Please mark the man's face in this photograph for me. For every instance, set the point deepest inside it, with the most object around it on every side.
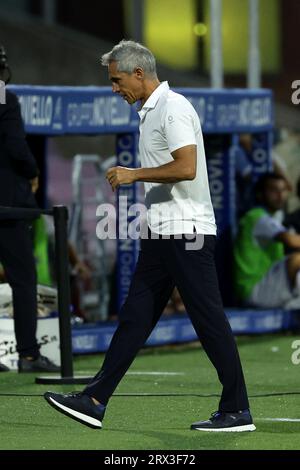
(275, 194)
(129, 86)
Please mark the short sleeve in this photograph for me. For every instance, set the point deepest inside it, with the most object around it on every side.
(267, 228)
(179, 124)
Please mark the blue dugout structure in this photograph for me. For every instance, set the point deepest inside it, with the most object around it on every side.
(224, 114)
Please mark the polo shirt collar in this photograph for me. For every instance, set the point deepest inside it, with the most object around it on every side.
(153, 98)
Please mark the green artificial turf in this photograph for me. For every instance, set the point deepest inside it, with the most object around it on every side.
(162, 422)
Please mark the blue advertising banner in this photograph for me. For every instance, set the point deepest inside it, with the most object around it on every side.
(261, 155)
(127, 247)
(223, 113)
(96, 110)
(221, 175)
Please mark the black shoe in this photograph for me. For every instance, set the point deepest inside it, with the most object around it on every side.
(77, 406)
(226, 422)
(4, 368)
(41, 364)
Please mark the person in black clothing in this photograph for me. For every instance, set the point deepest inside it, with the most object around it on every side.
(18, 183)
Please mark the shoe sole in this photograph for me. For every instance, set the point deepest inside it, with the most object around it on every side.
(247, 427)
(76, 415)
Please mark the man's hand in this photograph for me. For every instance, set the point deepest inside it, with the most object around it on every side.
(83, 271)
(34, 184)
(120, 175)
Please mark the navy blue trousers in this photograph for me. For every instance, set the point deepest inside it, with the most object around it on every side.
(163, 264)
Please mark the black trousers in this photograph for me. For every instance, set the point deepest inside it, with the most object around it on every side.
(162, 264)
(16, 256)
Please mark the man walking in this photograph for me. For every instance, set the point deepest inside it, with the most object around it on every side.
(178, 207)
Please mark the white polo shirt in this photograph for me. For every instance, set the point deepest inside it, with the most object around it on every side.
(169, 122)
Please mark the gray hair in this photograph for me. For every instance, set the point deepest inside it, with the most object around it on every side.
(130, 55)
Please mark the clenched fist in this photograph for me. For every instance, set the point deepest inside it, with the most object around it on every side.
(120, 175)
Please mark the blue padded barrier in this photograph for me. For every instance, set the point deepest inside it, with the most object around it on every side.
(93, 338)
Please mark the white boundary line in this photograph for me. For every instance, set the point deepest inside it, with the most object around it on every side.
(138, 373)
(283, 420)
(86, 372)
(154, 373)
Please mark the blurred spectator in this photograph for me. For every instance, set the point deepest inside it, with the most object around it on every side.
(279, 167)
(245, 199)
(175, 304)
(264, 277)
(292, 220)
(43, 246)
(43, 240)
(243, 174)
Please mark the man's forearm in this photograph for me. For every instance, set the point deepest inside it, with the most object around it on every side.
(182, 168)
(291, 240)
(171, 172)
